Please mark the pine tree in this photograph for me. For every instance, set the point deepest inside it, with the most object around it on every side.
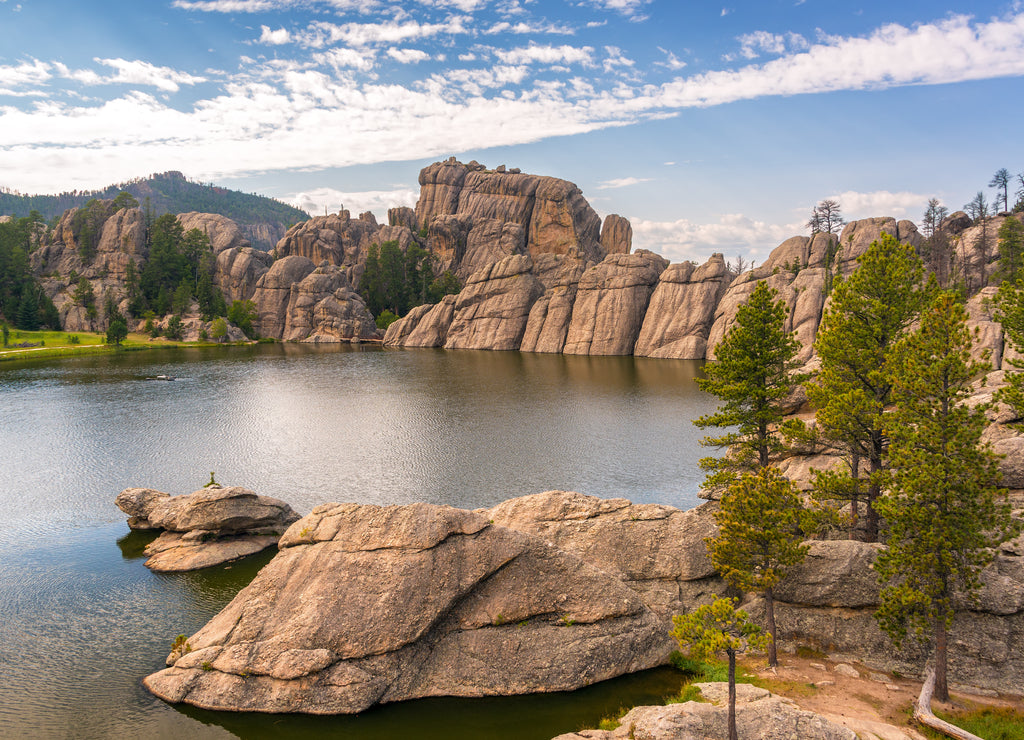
(1011, 249)
(753, 374)
(941, 503)
(869, 312)
(1010, 313)
(719, 627)
(759, 537)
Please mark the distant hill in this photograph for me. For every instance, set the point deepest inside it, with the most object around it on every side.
(263, 220)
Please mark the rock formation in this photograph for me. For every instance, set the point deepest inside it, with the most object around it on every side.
(759, 714)
(366, 605)
(205, 528)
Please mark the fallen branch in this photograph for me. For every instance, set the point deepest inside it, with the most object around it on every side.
(923, 712)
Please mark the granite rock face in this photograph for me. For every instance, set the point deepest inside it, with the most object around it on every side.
(554, 216)
(492, 310)
(222, 232)
(616, 235)
(611, 302)
(682, 310)
(366, 605)
(210, 526)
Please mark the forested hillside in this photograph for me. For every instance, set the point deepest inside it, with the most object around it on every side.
(263, 220)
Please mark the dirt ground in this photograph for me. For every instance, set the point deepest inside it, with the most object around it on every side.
(872, 704)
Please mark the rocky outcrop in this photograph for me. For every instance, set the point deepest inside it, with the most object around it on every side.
(337, 239)
(273, 293)
(322, 307)
(548, 325)
(492, 310)
(366, 605)
(222, 232)
(759, 714)
(656, 550)
(211, 526)
(423, 326)
(611, 302)
(239, 270)
(616, 235)
(682, 310)
(554, 216)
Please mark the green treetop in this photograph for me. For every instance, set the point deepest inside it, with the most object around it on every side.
(1011, 315)
(716, 628)
(1011, 249)
(941, 503)
(759, 537)
(752, 373)
(868, 313)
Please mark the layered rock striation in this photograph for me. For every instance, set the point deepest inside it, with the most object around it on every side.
(366, 605)
(208, 527)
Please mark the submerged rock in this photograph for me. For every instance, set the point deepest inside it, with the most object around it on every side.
(366, 605)
(208, 527)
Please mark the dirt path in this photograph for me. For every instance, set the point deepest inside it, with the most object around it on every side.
(872, 704)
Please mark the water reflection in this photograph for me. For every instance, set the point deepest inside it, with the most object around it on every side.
(84, 620)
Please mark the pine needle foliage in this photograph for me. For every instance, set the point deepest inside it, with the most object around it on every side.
(719, 627)
(942, 503)
(1010, 313)
(759, 537)
(868, 314)
(753, 373)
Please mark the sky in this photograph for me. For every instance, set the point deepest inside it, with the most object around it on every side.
(712, 126)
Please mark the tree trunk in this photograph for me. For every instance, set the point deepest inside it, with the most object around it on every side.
(941, 641)
(923, 712)
(769, 612)
(855, 480)
(732, 694)
(874, 491)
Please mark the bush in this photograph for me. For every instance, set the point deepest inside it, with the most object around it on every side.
(174, 328)
(386, 319)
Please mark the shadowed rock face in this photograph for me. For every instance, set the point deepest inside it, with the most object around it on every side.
(210, 526)
(367, 605)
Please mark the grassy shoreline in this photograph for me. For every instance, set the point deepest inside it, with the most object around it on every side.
(50, 344)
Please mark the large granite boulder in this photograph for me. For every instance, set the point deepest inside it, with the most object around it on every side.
(656, 550)
(553, 215)
(616, 234)
(274, 291)
(210, 526)
(366, 605)
(682, 310)
(611, 302)
(492, 310)
(423, 326)
(322, 307)
(222, 232)
(550, 316)
(238, 271)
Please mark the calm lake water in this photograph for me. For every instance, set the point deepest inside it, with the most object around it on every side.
(82, 620)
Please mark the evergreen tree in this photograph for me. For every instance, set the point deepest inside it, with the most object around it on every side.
(941, 504)
(242, 314)
(117, 331)
(1011, 249)
(867, 315)
(1002, 180)
(1010, 313)
(752, 373)
(719, 627)
(759, 537)
(28, 309)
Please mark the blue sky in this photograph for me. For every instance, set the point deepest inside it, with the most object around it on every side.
(713, 126)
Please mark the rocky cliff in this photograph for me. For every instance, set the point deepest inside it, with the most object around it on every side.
(366, 604)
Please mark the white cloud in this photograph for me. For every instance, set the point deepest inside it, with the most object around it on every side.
(615, 58)
(671, 62)
(547, 55)
(356, 202)
(26, 73)
(274, 38)
(882, 203)
(622, 182)
(477, 81)
(137, 72)
(408, 56)
(322, 33)
(752, 45)
(628, 8)
(344, 58)
(733, 234)
(524, 28)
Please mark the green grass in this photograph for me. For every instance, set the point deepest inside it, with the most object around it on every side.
(59, 344)
(990, 724)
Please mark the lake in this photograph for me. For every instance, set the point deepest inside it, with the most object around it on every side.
(83, 620)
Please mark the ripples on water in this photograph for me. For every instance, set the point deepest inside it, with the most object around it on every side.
(83, 621)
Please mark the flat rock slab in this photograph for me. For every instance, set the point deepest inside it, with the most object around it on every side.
(758, 715)
(366, 604)
(173, 553)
